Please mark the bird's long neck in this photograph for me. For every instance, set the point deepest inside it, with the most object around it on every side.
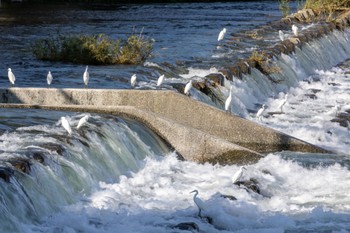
(195, 195)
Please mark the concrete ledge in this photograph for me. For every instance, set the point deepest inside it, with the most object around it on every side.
(196, 130)
(190, 143)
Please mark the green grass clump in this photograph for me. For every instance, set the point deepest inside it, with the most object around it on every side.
(94, 50)
(284, 7)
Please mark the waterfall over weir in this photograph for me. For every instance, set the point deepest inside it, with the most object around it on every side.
(255, 88)
(116, 175)
(43, 168)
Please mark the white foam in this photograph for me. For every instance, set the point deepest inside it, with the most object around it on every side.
(310, 109)
(158, 197)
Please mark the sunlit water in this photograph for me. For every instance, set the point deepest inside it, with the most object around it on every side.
(115, 175)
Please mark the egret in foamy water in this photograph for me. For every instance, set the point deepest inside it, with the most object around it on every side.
(66, 125)
(160, 80)
(222, 34)
(295, 30)
(260, 112)
(188, 88)
(133, 80)
(284, 101)
(228, 100)
(238, 175)
(49, 78)
(86, 76)
(281, 35)
(198, 202)
(82, 121)
(11, 76)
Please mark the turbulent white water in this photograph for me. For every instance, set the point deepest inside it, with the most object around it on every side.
(299, 192)
(157, 198)
(115, 175)
(62, 168)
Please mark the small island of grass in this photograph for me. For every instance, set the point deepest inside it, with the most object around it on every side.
(94, 49)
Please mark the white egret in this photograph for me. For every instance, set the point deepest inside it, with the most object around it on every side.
(188, 88)
(86, 76)
(160, 80)
(49, 78)
(259, 113)
(281, 35)
(295, 30)
(337, 108)
(200, 204)
(66, 125)
(82, 121)
(228, 100)
(133, 80)
(11, 76)
(238, 175)
(222, 34)
(284, 101)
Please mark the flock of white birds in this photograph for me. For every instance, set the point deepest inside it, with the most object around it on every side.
(201, 205)
(237, 176)
(133, 80)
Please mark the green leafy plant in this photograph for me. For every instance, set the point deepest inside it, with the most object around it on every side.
(284, 7)
(95, 49)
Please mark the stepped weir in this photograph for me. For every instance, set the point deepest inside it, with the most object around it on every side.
(197, 131)
(209, 135)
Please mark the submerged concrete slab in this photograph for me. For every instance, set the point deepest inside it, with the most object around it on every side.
(190, 121)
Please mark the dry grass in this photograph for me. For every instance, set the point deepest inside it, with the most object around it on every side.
(263, 63)
(328, 7)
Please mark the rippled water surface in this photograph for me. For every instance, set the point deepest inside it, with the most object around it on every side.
(182, 32)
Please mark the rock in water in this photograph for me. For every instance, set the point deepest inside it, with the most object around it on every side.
(187, 226)
(251, 184)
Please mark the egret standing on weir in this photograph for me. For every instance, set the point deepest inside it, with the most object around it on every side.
(281, 35)
(82, 121)
(228, 100)
(295, 30)
(49, 78)
(160, 80)
(222, 34)
(86, 77)
(188, 87)
(66, 125)
(259, 113)
(133, 80)
(11, 76)
(198, 202)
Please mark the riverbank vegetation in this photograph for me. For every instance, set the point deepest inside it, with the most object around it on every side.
(94, 49)
(331, 8)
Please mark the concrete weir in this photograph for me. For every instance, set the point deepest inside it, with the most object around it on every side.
(197, 131)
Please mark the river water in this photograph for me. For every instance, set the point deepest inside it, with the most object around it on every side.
(115, 175)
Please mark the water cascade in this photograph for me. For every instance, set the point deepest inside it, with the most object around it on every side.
(43, 168)
(116, 175)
